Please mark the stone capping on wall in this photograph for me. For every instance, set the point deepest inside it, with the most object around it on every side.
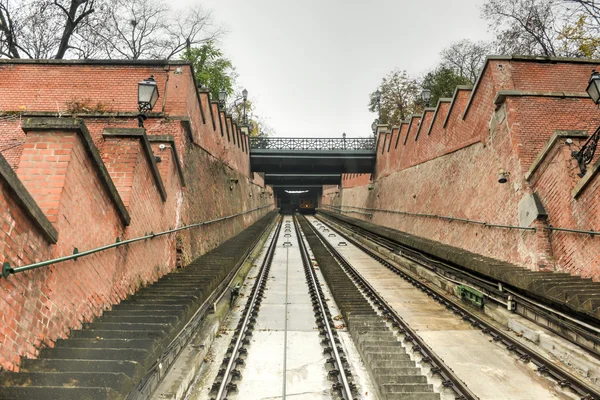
(554, 139)
(140, 134)
(171, 141)
(437, 109)
(425, 111)
(78, 126)
(154, 63)
(454, 97)
(536, 59)
(199, 92)
(503, 94)
(399, 133)
(52, 114)
(186, 122)
(411, 118)
(26, 201)
(210, 106)
(392, 137)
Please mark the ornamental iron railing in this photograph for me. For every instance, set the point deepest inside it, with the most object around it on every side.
(265, 143)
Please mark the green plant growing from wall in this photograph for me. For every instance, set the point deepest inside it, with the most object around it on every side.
(212, 69)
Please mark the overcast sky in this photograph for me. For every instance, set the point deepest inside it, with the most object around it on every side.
(310, 65)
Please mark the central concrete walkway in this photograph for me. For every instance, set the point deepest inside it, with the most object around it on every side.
(488, 369)
(285, 340)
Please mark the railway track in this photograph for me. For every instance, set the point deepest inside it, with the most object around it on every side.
(571, 383)
(577, 330)
(368, 315)
(336, 368)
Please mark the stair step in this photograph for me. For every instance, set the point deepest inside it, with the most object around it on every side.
(108, 343)
(58, 393)
(129, 368)
(112, 380)
(406, 388)
(83, 353)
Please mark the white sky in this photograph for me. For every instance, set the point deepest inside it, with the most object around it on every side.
(310, 65)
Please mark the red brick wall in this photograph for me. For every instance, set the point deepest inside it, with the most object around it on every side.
(453, 171)
(57, 169)
(25, 315)
(57, 87)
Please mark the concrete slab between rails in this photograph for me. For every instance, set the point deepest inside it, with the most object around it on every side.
(549, 287)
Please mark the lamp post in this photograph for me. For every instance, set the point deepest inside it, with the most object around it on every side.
(147, 97)
(378, 97)
(585, 155)
(426, 96)
(222, 99)
(245, 96)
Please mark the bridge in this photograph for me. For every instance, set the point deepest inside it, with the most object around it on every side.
(313, 156)
(306, 164)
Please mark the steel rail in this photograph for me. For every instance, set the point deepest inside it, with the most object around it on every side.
(161, 366)
(249, 311)
(580, 328)
(314, 282)
(8, 270)
(449, 378)
(563, 377)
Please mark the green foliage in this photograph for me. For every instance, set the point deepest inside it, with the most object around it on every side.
(399, 97)
(442, 82)
(578, 39)
(213, 71)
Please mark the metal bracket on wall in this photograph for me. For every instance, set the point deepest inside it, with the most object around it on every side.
(6, 269)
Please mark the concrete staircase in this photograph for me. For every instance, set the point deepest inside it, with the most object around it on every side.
(397, 376)
(109, 356)
(394, 375)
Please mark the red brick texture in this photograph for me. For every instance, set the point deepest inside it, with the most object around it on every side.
(58, 170)
(453, 170)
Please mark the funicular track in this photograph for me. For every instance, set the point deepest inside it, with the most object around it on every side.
(395, 375)
(564, 378)
(337, 364)
(576, 329)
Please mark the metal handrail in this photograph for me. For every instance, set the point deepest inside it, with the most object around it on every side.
(470, 221)
(590, 232)
(8, 270)
(266, 143)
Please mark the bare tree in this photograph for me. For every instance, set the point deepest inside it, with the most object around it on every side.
(529, 27)
(130, 29)
(149, 29)
(40, 28)
(466, 58)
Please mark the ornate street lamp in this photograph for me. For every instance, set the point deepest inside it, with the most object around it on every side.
(147, 97)
(593, 88)
(426, 96)
(245, 97)
(585, 155)
(222, 99)
(378, 97)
